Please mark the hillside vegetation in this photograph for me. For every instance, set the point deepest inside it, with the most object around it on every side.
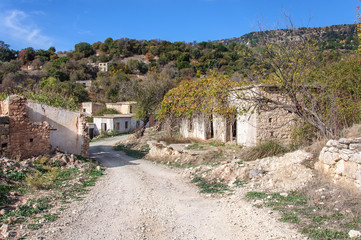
(145, 70)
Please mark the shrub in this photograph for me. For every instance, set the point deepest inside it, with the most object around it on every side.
(105, 110)
(170, 140)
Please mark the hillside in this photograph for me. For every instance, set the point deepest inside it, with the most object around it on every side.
(329, 37)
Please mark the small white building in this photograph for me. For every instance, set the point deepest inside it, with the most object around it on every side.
(122, 123)
(90, 108)
(86, 83)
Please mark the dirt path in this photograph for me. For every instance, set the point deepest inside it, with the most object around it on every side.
(137, 199)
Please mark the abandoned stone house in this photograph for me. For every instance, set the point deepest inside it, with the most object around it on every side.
(246, 129)
(30, 129)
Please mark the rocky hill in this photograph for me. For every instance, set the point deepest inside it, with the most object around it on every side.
(330, 37)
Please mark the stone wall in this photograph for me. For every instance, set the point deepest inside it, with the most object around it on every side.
(341, 159)
(71, 135)
(4, 136)
(22, 138)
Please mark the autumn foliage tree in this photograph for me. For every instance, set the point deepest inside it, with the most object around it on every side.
(204, 96)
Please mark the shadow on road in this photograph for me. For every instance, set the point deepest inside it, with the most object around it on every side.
(102, 151)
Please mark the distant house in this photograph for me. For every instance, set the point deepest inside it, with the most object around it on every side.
(245, 129)
(90, 108)
(103, 67)
(123, 107)
(86, 83)
(122, 123)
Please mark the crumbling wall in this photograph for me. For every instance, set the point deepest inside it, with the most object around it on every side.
(341, 160)
(4, 136)
(22, 138)
(257, 124)
(275, 124)
(71, 135)
(195, 127)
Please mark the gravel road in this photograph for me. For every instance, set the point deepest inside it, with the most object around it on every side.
(138, 199)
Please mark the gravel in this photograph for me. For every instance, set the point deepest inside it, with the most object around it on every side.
(137, 199)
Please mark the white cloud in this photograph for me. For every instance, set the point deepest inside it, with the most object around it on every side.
(19, 26)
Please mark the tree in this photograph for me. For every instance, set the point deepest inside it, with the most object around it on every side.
(290, 65)
(148, 94)
(6, 54)
(84, 48)
(205, 96)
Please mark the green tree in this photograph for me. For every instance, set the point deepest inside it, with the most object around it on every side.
(6, 54)
(84, 48)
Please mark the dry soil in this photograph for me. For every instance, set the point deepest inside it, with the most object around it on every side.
(137, 199)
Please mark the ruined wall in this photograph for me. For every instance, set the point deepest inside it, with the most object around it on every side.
(123, 107)
(276, 124)
(4, 136)
(221, 128)
(91, 108)
(196, 127)
(71, 135)
(25, 138)
(260, 125)
(341, 160)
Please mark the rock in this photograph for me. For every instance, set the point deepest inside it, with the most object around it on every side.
(356, 157)
(355, 146)
(284, 194)
(255, 172)
(4, 230)
(329, 158)
(347, 152)
(354, 234)
(332, 143)
(340, 167)
(357, 175)
(344, 141)
(98, 168)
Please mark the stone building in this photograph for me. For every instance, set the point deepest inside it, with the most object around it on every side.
(123, 107)
(30, 129)
(90, 107)
(21, 138)
(246, 129)
(122, 123)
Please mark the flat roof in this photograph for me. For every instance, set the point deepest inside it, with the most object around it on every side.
(115, 116)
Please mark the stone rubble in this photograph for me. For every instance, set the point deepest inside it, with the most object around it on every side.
(341, 159)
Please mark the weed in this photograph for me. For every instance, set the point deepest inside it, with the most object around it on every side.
(256, 195)
(35, 226)
(289, 217)
(195, 146)
(239, 183)
(50, 217)
(321, 233)
(130, 152)
(210, 187)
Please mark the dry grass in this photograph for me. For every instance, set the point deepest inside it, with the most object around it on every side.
(264, 149)
(352, 132)
(174, 140)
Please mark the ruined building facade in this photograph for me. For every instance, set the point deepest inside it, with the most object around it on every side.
(247, 129)
(30, 129)
(21, 138)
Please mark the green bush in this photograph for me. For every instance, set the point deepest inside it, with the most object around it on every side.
(105, 110)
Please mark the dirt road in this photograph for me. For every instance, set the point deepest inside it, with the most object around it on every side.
(138, 199)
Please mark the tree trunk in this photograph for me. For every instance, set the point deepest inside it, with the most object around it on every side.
(140, 132)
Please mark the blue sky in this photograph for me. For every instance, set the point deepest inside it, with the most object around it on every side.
(63, 23)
